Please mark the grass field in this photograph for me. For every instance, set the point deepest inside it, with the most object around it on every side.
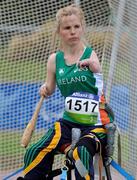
(22, 71)
(10, 148)
(10, 143)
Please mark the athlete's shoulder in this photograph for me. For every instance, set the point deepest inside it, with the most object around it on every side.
(52, 56)
(51, 59)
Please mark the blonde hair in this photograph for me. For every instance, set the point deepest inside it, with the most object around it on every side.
(68, 11)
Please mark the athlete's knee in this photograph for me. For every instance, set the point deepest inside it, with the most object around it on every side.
(89, 143)
(83, 156)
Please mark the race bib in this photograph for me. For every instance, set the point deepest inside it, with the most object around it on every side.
(82, 107)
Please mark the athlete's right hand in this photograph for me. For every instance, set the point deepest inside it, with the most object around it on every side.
(44, 90)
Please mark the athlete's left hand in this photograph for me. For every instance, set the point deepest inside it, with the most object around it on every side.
(84, 63)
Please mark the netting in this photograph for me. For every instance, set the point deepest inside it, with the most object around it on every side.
(25, 36)
(119, 65)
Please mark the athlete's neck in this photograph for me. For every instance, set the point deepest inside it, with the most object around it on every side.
(73, 54)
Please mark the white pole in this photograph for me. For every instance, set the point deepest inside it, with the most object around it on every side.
(77, 2)
(115, 47)
(132, 128)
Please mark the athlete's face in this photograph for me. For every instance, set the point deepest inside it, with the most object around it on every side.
(70, 30)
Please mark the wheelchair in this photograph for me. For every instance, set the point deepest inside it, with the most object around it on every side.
(66, 170)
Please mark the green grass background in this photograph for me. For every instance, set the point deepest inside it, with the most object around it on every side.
(20, 71)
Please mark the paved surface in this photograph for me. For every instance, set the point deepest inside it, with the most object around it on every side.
(115, 176)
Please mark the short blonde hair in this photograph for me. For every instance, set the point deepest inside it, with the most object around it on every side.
(68, 11)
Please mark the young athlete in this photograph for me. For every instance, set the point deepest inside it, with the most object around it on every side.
(76, 70)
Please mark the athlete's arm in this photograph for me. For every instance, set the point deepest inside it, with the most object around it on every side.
(92, 63)
(49, 86)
